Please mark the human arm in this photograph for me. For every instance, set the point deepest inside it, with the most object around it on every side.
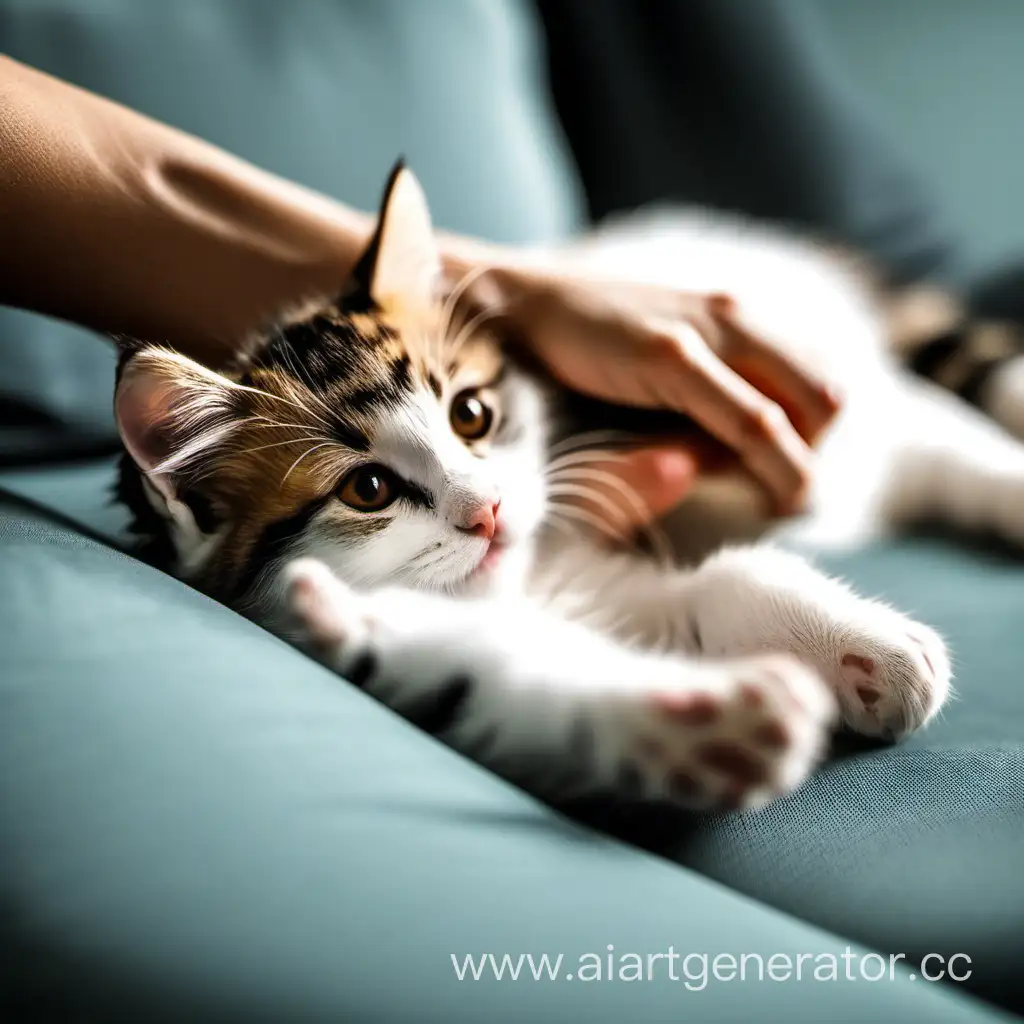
(128, 226)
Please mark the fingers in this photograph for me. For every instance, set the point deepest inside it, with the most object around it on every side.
(733, 410)
(809, 403)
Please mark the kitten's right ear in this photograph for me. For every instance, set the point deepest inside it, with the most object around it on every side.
(402, 262)
(170, 410)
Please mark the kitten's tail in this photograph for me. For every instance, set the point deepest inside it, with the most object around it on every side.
(974, 355)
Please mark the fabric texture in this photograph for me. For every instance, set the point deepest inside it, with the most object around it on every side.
(915, 847)
(199, 823)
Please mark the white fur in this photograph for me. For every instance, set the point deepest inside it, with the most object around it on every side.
(541, 682)
(598, 637)
(574, 670)
(421, 548)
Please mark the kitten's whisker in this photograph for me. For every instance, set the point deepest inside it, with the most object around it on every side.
(644, 521)
(267, 423)
(309, 451)
(585, 457)
(301, 406)
(469, 329)
(573, 512)
(587, 438)
(460, 288)
(281, 444)
(450, 307)
(590, 494)
(271, 397)
(334, 464)
(298, 371)
(310, 393)
(427, 557)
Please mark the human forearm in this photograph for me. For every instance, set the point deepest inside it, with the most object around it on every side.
(126, 225)
(119, 223)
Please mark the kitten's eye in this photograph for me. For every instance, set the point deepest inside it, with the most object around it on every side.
(369, 488)
(471, 417)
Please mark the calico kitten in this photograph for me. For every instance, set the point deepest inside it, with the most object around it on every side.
(379, 480)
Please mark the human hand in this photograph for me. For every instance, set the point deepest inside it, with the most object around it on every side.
(683, 352)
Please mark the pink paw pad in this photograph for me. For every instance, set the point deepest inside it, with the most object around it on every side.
(858, 661)
(733, 761)
(752, 696)
(685, 785)
(773, 735)
(859, 672)
(694, 709)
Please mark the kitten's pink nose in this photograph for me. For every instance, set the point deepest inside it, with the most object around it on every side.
(482, 521)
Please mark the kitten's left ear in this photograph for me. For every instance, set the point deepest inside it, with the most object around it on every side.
(402, 263)
(172, 412)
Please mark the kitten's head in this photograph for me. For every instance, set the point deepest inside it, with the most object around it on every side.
(376, 434)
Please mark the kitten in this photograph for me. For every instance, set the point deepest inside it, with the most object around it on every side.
(388, 486)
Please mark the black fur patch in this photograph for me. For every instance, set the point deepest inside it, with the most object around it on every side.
(445, 705)
(964, 359)
(150, 530)
(343, 367)
(356, 297)
(202, 510)
(401, 376)
(363, 669)
(364, 399)
(273, 543)
(932, 356)
(350, 436)
(321, 353)
(581, 744)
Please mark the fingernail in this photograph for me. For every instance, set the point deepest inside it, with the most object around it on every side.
(832, 397)
(674, 467)
(722, 304)
(795, 506)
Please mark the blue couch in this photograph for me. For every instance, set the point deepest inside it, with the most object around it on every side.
(198, 823)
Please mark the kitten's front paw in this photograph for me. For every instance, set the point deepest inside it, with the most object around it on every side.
(752, 731)
(332, 620)
(891, 674)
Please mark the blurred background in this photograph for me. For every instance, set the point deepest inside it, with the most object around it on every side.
(941, 77)
(155, 826)
(891, 126)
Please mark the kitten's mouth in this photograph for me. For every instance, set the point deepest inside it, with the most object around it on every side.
(492, 557)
